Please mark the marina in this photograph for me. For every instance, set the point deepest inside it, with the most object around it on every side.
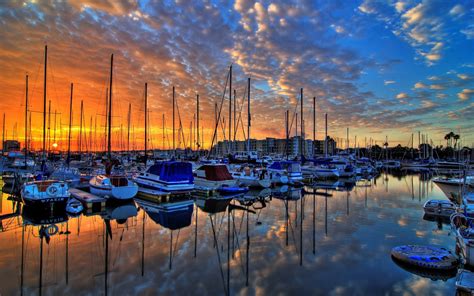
(237, 147)
(260, 239)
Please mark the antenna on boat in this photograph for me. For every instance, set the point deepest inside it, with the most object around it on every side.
(128, 125)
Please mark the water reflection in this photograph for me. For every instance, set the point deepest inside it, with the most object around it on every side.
(329, 237)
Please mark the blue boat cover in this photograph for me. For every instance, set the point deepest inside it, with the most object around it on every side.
(172, 171)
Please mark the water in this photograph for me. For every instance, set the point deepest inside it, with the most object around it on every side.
(338, 245)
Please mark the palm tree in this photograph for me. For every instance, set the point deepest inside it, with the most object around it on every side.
(447, 137)
(456, 139)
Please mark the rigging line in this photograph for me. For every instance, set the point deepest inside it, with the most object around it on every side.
(240, 112)
(219, 114)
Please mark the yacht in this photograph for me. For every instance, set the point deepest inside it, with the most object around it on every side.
(167, 176)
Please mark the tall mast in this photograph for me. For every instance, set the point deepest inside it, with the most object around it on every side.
(314, 123)
(44, 101)
(128, 125)
(109, 134)
(248, 117)
(230, 109)
(163, 131)
(174, 147)
(235, 115)
(197, 122)
(26, 123)
(301, 125)
(70, 125)
(49, 125)
(54, 127)
(287, 114)
(146, 121)
(326, 136)
(3, 136)
(80, 128)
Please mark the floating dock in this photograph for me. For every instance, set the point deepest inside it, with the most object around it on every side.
(92, 203)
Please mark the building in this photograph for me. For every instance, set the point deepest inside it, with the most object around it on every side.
(11, 145)
(273, 146)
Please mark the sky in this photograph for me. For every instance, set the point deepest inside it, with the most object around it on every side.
(380, 68)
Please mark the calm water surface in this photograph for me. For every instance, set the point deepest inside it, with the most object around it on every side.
(284, 244)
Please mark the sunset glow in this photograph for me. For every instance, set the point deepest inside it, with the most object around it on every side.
(382, 69)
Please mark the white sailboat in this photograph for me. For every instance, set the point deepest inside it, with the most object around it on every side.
(116, 186)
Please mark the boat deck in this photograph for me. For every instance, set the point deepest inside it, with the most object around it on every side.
(91, 202)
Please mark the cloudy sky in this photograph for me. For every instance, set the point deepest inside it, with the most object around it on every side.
(382, 68)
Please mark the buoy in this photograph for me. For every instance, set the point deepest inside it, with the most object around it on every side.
(429, 257)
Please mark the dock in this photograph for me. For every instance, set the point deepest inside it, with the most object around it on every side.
(91, 202)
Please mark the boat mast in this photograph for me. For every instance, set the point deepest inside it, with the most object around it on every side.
(174, 147)
(26, 124)
(314, 123)
(3, 136)
(301, 125)
(230, 110)
(163, 131)
(44, 102)
(49, 125)
(128, 125)
(248, 117)
(235, 116)
(146, 121)
(80, 128)
(70, 124)
(197, 122)
(287, 114)
(109, 134)
(326, 136)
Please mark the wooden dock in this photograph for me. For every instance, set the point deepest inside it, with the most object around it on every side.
(91, 202)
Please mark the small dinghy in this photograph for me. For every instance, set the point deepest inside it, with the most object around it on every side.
(429, 257)
(439, 207)
(74, 207)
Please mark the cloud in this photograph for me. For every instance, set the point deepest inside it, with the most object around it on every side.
(457, 10)
(401, 96)
(425, 25)
(437, 86)
(387, 82)
(420, 85)
(465, 94)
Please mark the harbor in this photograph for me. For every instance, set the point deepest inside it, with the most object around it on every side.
(341, 242)
(236, 148)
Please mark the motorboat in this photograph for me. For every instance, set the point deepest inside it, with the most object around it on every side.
(255, 178)
(167, 176)
(213, 176)
(278, 170)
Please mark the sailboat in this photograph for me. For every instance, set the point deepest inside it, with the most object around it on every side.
(246, 177)
(114, 186)
(45, 193)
